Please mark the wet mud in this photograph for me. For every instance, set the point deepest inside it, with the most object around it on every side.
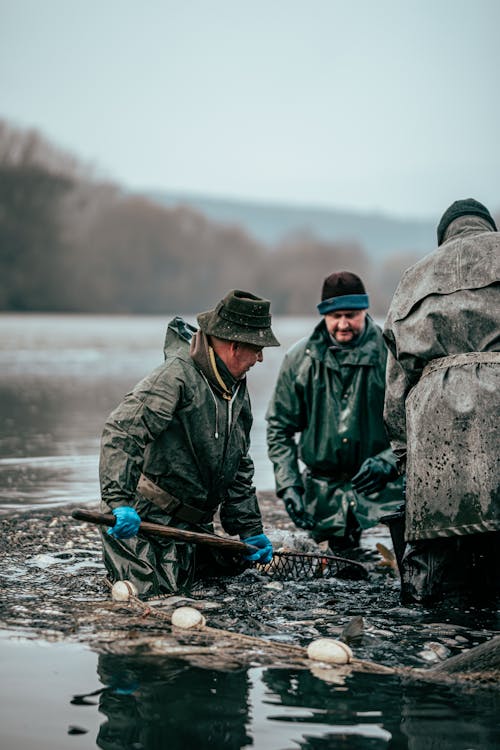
(53, 586)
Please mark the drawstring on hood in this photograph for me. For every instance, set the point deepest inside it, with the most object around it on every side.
(204, 358)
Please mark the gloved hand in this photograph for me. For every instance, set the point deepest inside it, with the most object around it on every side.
(373, 476)
(127, 522)
(265, 551)
(292, 497)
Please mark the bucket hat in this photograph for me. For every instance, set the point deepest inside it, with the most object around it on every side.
(240, 316)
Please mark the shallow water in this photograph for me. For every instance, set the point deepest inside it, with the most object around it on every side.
(61, 375)
(60, 696)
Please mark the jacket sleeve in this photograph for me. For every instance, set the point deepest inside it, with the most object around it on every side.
(138, 420)
(402, 374)
(285, 417)
(389, 457)
(239, 511)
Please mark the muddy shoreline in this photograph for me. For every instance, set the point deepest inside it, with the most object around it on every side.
(53, 587)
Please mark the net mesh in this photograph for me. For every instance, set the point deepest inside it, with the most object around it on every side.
(298, 565)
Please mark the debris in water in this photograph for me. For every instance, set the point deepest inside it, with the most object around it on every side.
(68, 597)
(428, 655)
(441, 651)
(434, 652)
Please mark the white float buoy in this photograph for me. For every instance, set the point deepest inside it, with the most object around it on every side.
(122, 591)
(329, 651)
(187, 617)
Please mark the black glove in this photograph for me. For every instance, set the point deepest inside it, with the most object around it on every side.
(292, 497)
(373, 476)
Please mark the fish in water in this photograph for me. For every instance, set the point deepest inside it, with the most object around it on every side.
(388, 557)
(354, 629)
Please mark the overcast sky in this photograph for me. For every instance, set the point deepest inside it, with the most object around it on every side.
(381, 105)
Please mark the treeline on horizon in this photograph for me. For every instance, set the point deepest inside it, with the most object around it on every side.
(74, 242)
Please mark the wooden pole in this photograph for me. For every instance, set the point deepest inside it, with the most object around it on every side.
(191, 537)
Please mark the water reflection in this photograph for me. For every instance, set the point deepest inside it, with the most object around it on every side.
(156, 703)
(151, 703)
(376, 712)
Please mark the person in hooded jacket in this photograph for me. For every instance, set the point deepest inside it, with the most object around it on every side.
(442, 409)
(330, 393)
(177, 449)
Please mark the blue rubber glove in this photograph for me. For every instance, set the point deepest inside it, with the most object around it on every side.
(127, 522)
(265, 551)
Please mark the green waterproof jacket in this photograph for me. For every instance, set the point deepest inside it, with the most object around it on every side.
(333, 398)
(190, 441)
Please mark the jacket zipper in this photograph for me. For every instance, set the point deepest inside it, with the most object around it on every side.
(229, 410)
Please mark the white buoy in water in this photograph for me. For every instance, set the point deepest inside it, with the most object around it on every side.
(329, 651)
(187, 617)
(122, 591)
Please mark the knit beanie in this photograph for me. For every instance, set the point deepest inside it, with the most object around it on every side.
(343, 290)
(465, 207)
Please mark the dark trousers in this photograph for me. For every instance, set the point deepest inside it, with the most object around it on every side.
(350, 539)
(463, 567)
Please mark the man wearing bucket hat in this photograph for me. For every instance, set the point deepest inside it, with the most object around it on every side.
(176, 450)
(442, 406)
(330, 391)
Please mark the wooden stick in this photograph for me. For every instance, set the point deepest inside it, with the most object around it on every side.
(192, 537)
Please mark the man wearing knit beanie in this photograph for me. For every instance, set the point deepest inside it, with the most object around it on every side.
(441, 410)
(330, 392)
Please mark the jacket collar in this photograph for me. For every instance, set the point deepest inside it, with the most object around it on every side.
(319, 346)
(213, 368)
(463, 226)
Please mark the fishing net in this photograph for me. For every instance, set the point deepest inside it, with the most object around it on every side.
(298, 565)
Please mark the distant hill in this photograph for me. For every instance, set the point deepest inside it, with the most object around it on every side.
(380, 235)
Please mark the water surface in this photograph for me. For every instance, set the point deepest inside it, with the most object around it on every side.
(62, 696)
(60, 376)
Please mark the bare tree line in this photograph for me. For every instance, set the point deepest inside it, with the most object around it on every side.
(72, 242)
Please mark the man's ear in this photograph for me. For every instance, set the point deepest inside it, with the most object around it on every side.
(234, 346)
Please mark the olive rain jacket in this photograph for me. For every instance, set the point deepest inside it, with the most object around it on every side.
(333, 397)
(181, 433)
(443, 383)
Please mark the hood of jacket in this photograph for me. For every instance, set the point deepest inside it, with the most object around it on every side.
(178, 337)
(468, 259)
